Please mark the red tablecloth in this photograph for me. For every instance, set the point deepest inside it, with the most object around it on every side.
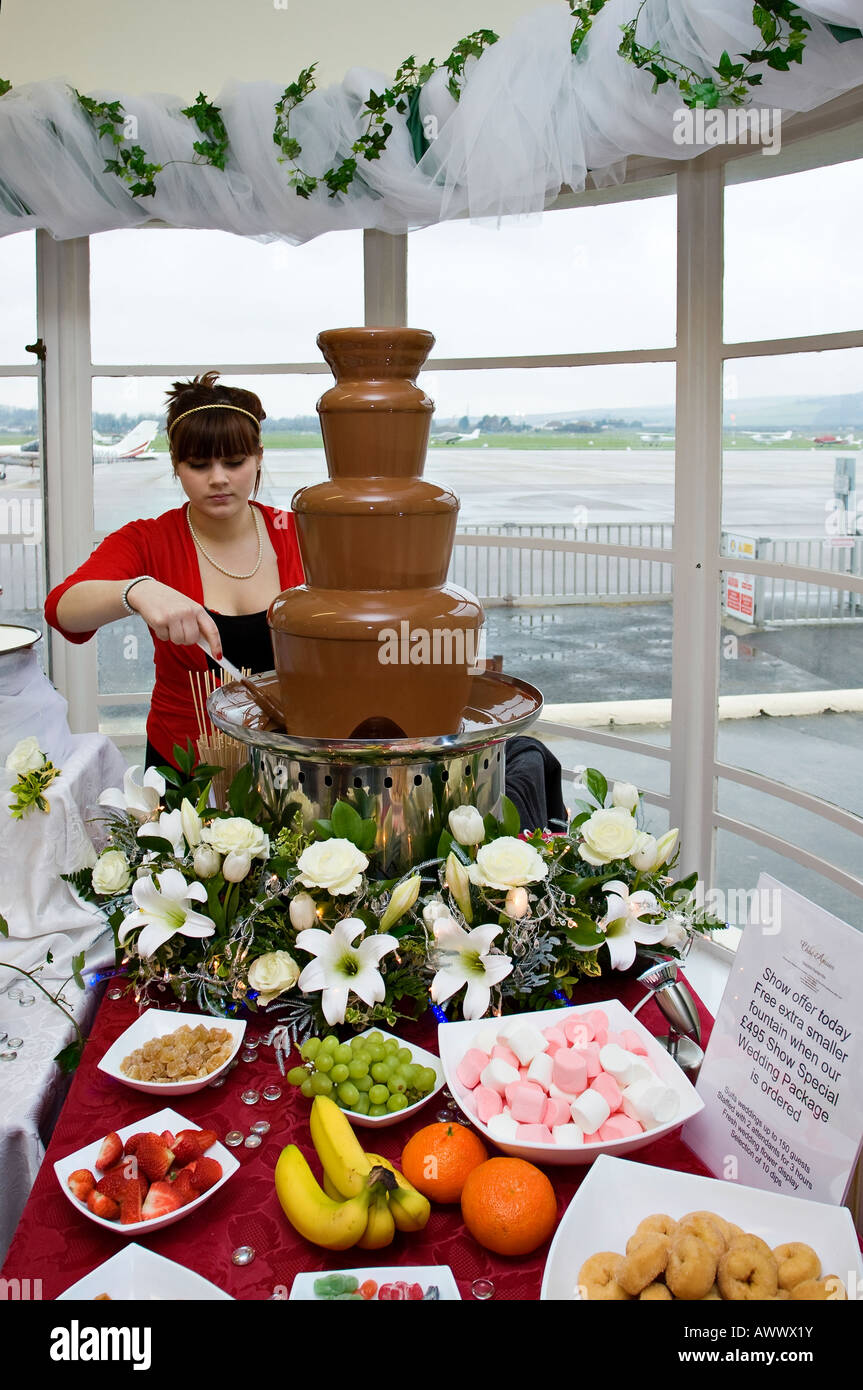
(57, 1245)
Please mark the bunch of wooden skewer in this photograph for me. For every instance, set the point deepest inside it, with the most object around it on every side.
(213, 745)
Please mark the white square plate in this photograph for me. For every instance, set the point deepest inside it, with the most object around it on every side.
(615, 1196)
(303, 1287)
(156, 1023)
(454, 1040)
(138, 1275)
(162, 1120)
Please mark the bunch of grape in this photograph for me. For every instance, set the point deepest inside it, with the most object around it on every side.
(371, 1075)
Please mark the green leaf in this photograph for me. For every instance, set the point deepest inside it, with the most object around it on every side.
(596, 785)
(585, 936)
(323, 829)
(575, 886)
(77, 967)
(511, 820)
(444, 844)
(4, 926)
(346, 822)
(69, 1057)
(368, 836)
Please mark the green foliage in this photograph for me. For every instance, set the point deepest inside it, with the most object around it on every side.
(131, 165)
(470, 47)
(29, 791)
(213, 149)
(68, 1058)
(596, 784)
(584, 15)
(346, 823)
(5, 86)
(4, 926)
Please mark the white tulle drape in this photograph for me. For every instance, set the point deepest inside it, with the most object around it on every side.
(531, 119)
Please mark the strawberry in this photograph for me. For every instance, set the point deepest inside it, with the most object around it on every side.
(136, 1139)
(102, 1205)
(161, 1200)
(119, 1181)
(109, 1153)
(168, 1139)
(153, 1159)
(81, 1183)
(185, 1187)
(205, 1172)
(192, 1144)
(131, 1202)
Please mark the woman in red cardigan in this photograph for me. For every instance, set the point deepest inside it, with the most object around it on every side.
(205, 571)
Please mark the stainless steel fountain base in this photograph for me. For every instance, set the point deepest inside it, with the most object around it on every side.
(408, 785)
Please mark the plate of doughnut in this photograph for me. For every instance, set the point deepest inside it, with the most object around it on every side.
(634, 1232)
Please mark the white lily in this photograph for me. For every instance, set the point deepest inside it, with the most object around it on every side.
(138, 799)
(465, 959)
(340, 967)
(192, 823)
(622, 923)
(163, 909)
(169, 827)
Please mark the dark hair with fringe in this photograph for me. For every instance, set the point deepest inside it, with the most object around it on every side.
(212, 433)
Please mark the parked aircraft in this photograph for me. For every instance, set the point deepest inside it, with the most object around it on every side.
(134, 445)
(454, 438)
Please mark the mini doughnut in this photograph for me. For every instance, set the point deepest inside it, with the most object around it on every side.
(645, 1259)
(705, 1226)
(655, 1293)
(746, 1273)
(665, 1225)
(597, 1277)
(713, 1296)
(830, 1289)
(797, 1263)
(691, 1268)
(727, 1228)
(748, 1241)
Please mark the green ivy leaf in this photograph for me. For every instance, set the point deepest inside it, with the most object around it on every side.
(596, 785)
(69, 1057)
(4, 926)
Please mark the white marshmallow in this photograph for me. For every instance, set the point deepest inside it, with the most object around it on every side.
(590, 1111)
(650, 1102)
(502, 1127)
(527, 1043)
(540, 1071)
(555, 1091)
(639, 1071)
(498, 1075)
(485, 1039)
(616, 1061)
(568, 1136)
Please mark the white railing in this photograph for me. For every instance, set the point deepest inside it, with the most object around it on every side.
(21, 576)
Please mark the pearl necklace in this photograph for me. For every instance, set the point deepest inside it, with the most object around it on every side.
(229, 574)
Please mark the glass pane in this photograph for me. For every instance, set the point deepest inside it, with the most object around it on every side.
(565, 282)
(792, 436)
(792, 262)
(739, 863)
(22, 577)
(800, 827)
(171, 295)
(793, 706)
(576, 750)
(18, 297)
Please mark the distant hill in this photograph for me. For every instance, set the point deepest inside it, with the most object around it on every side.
(816, 413)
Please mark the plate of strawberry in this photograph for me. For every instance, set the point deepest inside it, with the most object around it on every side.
(145, 1176)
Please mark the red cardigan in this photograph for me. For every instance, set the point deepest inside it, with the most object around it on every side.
(164, 549)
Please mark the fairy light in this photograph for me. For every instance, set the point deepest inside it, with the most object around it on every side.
(439, 1013)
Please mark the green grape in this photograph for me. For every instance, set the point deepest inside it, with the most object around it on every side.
(377, 1110)
(378, 1095)
(339, 1073)
(362, 1106)
(374, 1037)
(413, 1073)
(391, 1045)
(427, 1080)
(397, 1103)
(405, 1056)
(310, 1049)
(357, 1067)
(343, 1053)
(348, 1094)
(306, 1087)
(397, 1083)
(363, 1083)
(297, 1075)
(321, 1084)
(330, 1043)
(381, 1070)
(324, 1061)
(376, 1052)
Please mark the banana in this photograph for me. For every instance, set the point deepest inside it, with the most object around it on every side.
(331, 1189)
(410, 1209)
(380, 1227)
(333, 1225)
(338, 1148)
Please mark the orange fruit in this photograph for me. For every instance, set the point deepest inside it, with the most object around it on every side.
(509, 1206)
(438, 1159)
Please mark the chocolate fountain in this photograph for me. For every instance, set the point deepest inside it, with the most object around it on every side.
(377, 675)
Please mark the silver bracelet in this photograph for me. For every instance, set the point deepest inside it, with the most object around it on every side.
(124, 599)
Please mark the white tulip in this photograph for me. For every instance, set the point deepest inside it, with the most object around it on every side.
(466, 825)
(665, 847)
(643, 856)
(624, 794)
(236, 865)
(458, 882)
(206, 861)
(303, 912)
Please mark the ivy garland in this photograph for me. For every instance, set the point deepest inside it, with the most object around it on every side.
(783, 39)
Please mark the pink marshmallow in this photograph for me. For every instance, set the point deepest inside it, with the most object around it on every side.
(600, 1035)
(617, 1039)
(595, 1138)
(505, 1054)
(468, 1101)
(528, 1103)
(598, 1018)
(591, 1059)
(534, 1134)
(619, 1126)
(488, 1103)
(609, 1089)
(552, 1048)
(555, 1035)
(633, 1043)
(557, 1112)
(470, 1067)
(579, 1030)
(510, 1090)
(570, 1070)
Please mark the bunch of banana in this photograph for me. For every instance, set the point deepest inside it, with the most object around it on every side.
(364, 1199)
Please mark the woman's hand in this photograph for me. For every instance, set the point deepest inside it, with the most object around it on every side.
(173, 617)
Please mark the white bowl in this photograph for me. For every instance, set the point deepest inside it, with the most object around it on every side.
(423, 1059)
(615, 1196)
(156, 1023)
(140, 1275)
(455, 1039)
(303, 1287)
(162, 1120)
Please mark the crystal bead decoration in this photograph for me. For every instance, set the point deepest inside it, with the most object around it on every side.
(234, 1139)
(252, 1141)
(272, 1092)
(250, 1097)
(243, 1255)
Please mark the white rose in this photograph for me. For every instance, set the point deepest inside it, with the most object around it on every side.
(336, 865)
(507, 863)
(111, 872)
(643, 856)
(206, 861)
(466, 825)
(235, 833)
(236, 865)
(624, 794)
(272, 974)
(26, 757)
(303, 912)
(608, 835)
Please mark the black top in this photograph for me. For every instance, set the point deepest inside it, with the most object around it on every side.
(246, 640)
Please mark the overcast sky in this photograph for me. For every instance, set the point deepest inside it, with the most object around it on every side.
(594, 278)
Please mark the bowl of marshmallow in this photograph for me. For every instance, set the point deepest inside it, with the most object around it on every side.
(565, 1085)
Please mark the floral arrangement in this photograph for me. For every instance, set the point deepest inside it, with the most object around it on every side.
(228, 910)
(35, 772)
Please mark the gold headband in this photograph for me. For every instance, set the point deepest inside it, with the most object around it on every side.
(216, 405)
